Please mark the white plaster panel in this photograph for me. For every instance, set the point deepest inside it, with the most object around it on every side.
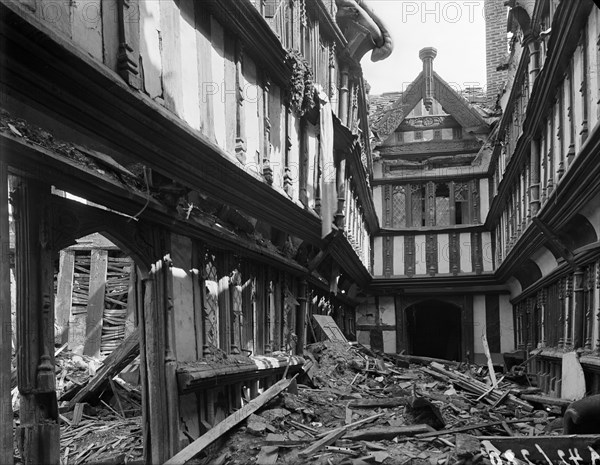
(387, 310)
(544, 260)
(592, 212)
(389, 342)
(479, 322)
(484, 198)
(189, 71)
(365, 312)
(218, 75)
(514, 286)
(507, 339)
(378, 202)
(443, 247)
(378, 256)
(183, 299)
(420, 262)
(398, 265)
(364, 337)
(377, 170)
(487, 251)
(466, 266)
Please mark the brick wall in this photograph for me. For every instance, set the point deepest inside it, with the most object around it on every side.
(496, 47)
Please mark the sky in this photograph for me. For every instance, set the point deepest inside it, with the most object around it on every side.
(455, 28)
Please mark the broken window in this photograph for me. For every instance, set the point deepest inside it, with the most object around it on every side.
(461, 203)
(442, 204)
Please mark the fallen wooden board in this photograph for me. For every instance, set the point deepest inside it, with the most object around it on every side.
(330, 329)
(216, 432)
(545, 400)
(381, 402)
(544, 449)
(387, 432)
(326, 441)
(460, 429)
(112, 366)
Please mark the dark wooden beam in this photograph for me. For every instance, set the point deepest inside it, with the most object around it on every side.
(554, 242)
(49, 73)
(39, 431)
(6, 413)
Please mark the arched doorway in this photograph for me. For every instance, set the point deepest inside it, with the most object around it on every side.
(434, 329)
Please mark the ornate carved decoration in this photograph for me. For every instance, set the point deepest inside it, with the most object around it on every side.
(409, 256)
(431, 254)
(128, 58)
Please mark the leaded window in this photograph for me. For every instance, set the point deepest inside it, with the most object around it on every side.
(450, 203)
(442, 204)
(399, 207)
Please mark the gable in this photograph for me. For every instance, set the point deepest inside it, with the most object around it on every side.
(447, 101)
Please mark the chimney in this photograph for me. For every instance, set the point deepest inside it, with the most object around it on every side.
(427, 55)
(496, 48)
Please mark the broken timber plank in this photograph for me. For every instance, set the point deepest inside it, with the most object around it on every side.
(95, 307)
(540, 399)
(460, 429)
(379, 402)
(387, 432)
(113, 365)
(323, 442)
(543, 449)
(215, 433)
(330, 329)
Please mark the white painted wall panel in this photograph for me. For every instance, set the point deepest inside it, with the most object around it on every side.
(378, 254)
(466, 266)
(479, 322)
(378, 202)
(487, 251)
(507, 339)
(443, 244)
(398, 265)
(420, 261)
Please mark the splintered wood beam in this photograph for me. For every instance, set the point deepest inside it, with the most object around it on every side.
(95, 307)
(64, 292)
(113, 365)
(6, 413)
(554, 242)
(220, 429)
(387, 432)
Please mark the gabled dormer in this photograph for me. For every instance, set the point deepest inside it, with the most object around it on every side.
(430, 111)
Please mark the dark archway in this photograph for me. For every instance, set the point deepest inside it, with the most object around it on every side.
(434, 329)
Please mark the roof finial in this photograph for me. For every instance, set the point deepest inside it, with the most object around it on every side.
(427, 55)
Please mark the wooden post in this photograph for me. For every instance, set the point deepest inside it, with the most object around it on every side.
(224, 296)
(64, 292)
(95, 308)
(171, 361)
(38, 434)
(578, 311)
(301, 318)
(154, 327)
(6, 413)
(343, 114)
(259, 314)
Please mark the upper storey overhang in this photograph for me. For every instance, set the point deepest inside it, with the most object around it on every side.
(364, 30)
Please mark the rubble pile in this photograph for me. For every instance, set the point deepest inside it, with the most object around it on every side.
(354, 406)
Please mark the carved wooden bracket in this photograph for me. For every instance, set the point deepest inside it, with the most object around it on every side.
(128, 58)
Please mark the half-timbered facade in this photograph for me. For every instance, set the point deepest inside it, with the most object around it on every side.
(490, 215)
(220, 146)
